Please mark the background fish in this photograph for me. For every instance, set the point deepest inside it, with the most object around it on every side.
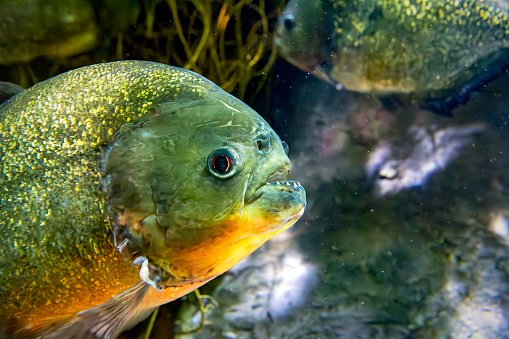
(48, 28)
(439, 51)
(58, 30)
(189, 179)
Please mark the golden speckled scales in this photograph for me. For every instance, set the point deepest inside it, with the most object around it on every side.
(417, 45)
(54, 232)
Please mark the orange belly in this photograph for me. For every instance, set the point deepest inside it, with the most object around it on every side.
(57, 297)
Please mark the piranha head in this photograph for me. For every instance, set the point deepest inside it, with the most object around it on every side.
(197, 187)
(305, 36)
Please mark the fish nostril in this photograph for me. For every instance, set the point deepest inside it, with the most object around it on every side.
(259, 145)
(262, 143)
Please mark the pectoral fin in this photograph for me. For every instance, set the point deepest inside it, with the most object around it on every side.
(104, 321)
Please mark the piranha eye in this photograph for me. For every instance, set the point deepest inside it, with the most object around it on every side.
(223, 163)
(289, 22)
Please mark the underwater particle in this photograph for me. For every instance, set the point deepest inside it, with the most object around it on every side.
(126, 185)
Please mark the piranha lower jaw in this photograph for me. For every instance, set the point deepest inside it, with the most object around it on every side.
(280, 205)
(274, 207)
(211, 258)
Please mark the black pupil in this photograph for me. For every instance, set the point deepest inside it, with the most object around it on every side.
(289, 24)
(221, 164)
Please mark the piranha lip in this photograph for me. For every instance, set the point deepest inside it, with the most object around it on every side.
(274, 181)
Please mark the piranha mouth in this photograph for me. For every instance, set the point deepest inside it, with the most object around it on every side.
(275, 182)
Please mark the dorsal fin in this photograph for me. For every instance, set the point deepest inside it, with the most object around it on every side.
(7, 90)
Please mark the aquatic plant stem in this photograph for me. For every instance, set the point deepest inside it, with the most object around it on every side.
(206, 31)
(149, 9)
(265, 26)
(119, 49)
(178, 26)
(151, 323)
